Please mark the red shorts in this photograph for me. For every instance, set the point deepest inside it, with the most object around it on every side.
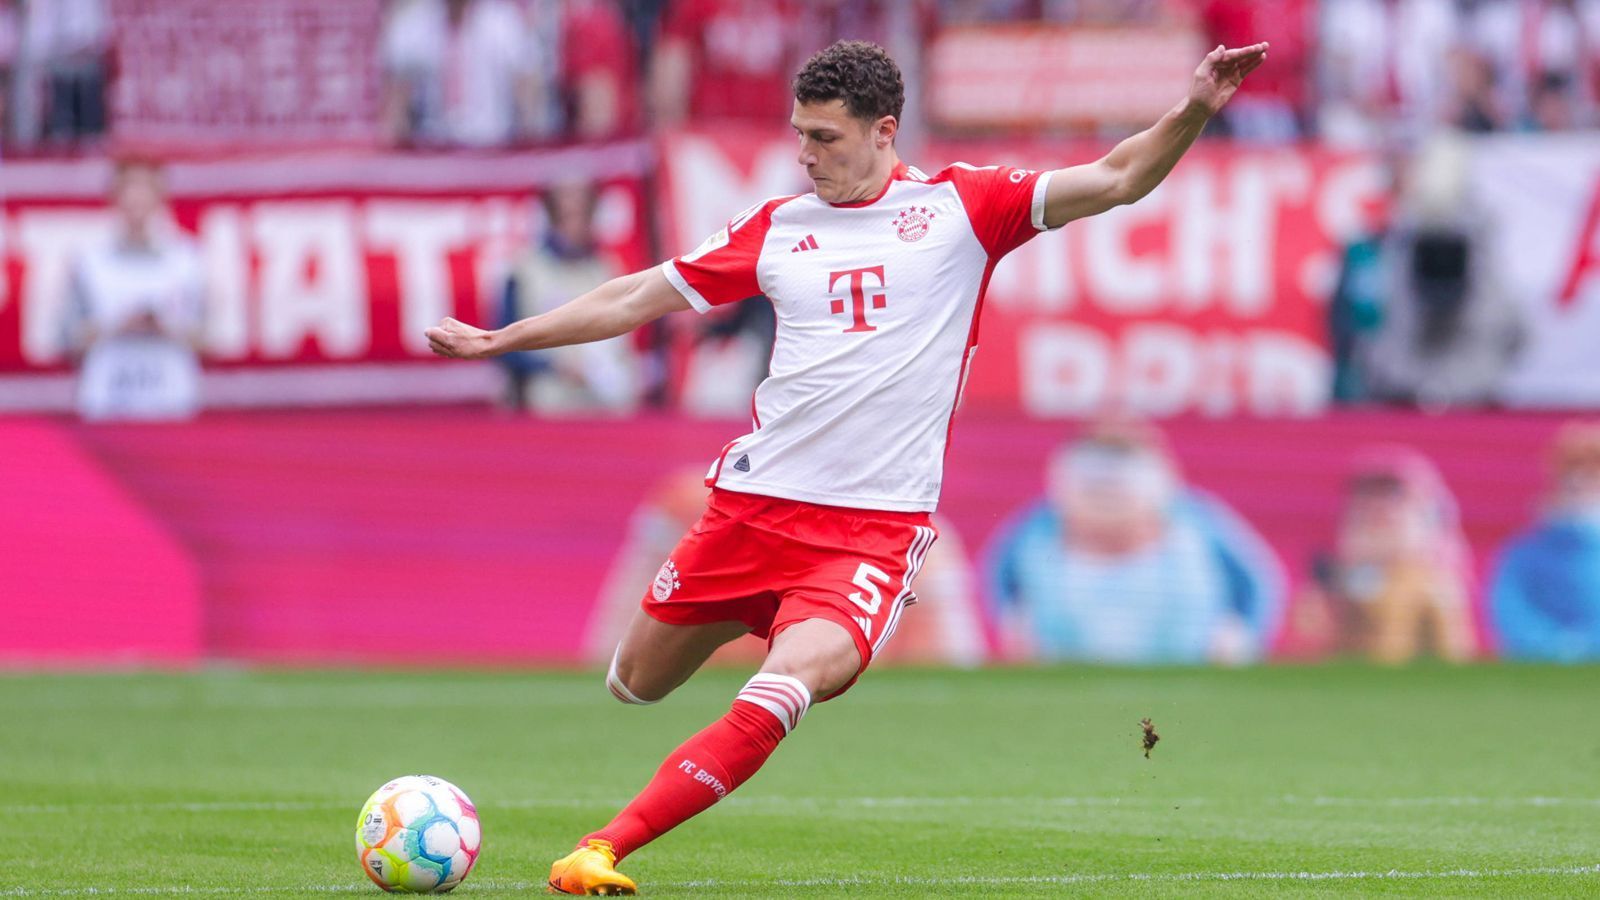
(770, 563)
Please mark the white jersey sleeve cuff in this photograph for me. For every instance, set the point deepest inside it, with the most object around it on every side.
(1039, 188)
(685, 288)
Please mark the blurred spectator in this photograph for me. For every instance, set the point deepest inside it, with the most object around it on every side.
(728, 59)
(1398, 581)
(599, 72)
(1382, 68)
(977, 12)
(943, 626)
(1355, 311)
(598, 376)
(903, 28)
(1271, 108)
(1542, 53)
(10, 47)
(59, 82)
(1554, 103)
(1114, 12)
(1545, 595)
(1121, 562)
(136, 307)
(1476, 105)
(475, 73)
(730, 355)
(1446, 330)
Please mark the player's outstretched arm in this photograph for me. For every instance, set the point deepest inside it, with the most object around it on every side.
(1134, 167)
(616, 307)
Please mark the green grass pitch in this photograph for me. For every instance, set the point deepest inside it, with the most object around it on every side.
(1425, 781)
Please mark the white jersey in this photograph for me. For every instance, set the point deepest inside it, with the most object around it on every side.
(877, 306)
(139, 376)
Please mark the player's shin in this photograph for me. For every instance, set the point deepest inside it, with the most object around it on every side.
(708, 766)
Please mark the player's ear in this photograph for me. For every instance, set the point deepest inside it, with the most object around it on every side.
(884, 130)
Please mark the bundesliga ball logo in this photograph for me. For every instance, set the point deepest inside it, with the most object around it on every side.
(913, 222)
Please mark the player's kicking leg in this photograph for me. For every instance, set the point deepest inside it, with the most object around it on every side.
(809, 658)
(652, 659)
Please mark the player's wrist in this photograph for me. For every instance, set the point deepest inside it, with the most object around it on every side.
(1194, 109)
(493, 343)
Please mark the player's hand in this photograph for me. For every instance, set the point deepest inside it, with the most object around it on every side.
(1221, 73)
(458, 340)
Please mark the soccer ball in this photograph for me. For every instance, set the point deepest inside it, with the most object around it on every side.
(418, 834)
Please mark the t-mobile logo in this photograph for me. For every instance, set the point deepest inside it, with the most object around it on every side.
(858, 296)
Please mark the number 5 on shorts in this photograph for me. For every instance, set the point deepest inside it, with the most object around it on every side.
(866, 577)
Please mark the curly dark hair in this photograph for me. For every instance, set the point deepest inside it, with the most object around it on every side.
(858, 72)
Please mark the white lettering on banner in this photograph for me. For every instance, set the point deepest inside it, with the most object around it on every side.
(1045, 267)
(709, 186)
(1121, 281)
(503, 228)
(312, 279)
(1161, 369)
(1216, 394)
(1347, 191)
(422, 235)
(224, 255)
(1237, 225)
(1287, 374)
(48, 238)
(1065, 370)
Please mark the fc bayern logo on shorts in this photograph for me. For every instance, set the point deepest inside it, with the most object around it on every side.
(666, 582)
(913, 222)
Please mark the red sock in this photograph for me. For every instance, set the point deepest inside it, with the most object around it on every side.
(708, 766)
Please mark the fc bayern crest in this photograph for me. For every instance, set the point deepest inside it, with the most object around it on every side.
(913, 223)
(666, 582)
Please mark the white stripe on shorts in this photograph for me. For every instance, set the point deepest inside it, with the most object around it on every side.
(915, 554)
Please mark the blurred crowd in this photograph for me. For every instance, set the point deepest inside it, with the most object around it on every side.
(1419, 315)
(495, 72)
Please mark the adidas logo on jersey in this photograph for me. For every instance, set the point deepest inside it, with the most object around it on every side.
(810, 243)
(743, 464)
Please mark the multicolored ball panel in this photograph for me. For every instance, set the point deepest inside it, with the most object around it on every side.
(418, 834)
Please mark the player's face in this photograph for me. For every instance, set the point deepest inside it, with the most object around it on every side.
(845, 157)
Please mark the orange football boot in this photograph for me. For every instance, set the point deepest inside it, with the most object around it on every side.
(590, 869)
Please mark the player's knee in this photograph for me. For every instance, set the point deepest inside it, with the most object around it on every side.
(818, 653)
(629, 689)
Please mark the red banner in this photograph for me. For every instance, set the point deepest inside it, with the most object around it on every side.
(1205, 297)
(320, 259)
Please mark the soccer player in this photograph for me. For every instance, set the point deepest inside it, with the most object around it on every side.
(818, 518)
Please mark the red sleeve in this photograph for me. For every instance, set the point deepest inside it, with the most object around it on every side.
(723, 269)
(1005, 204)
(595, 39)
(684, 21)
